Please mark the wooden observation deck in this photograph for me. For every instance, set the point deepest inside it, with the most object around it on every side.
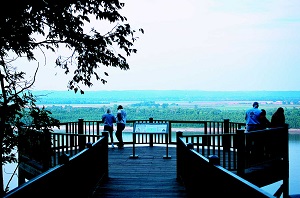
(219, 159)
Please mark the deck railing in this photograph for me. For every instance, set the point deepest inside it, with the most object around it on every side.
(193, 127)
(221, 145)
(74, 177)
(45, 149)
(260, 157)
(200, 174)
(225, 140)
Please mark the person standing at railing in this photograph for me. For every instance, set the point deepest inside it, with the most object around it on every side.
(263, 120)
(121, 121)
(252, 117)
(278, 118)
(109, 119)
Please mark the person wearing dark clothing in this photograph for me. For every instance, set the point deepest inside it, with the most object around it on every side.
(263, 120)
(121, 122)
(109, 119)
(278, 118)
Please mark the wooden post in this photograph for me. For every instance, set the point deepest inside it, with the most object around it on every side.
(190, 146)
(151, 135)
(64, 158)
(214, 160)
(105, 151)
(167, 156)
(178, 156)
(169, 132)
(285, 182)
(240, 138)
(81, 137)
(150, 120)
(21, 176)
(205, 138)
(226, 138)
(98, 128)
(133, 156)
(47, 161)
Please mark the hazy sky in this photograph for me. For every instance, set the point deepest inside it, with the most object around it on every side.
(205, 45)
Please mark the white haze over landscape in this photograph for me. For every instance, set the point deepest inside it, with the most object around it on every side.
(212, 45)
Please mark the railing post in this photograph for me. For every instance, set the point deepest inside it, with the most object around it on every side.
(226, 139)
(226, 125)
(167, 156)
(205, 138)
(151, 135)
(89, 145)
(150, 120)
(81, 137)
(47, 161)
(169, 132)
(63, 159)
(133, 156)
(285, 182)
(240, 138)
(178, 155)
(214, 160)
(104, 152)
(190, 146)
(98, 128)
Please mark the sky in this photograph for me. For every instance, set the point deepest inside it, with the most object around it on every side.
(212, 45)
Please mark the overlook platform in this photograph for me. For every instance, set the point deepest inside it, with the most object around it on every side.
(222, 159)
(149, 175)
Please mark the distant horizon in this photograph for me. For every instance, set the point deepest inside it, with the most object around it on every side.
(85, 90)
(104, 96)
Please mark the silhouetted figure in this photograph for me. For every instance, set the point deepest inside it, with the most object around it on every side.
(263, 120)
(109, 119)
(278, 118)
(121, 121)
(252, 117)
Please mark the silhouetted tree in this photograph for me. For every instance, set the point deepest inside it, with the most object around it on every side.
(28, 25)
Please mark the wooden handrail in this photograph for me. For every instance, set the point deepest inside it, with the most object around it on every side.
(77, 177)
(200, 175)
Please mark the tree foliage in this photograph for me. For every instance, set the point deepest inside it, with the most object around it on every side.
(70, 113)
(30, 25)
(62, 23)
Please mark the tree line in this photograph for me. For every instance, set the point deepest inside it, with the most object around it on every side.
(71, 114)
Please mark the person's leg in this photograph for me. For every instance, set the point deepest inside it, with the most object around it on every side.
(111, 138)
(121, 143)
(118, 132)
(111, 135)
(110, 132)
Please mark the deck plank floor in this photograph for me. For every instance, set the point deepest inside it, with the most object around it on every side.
(149, 175)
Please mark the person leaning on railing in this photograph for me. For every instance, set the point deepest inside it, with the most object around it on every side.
(109, 119)
(263, 120)
(278, 118)
(121, 122)
(252, 117)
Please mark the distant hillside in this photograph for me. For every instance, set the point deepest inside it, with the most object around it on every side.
(103, 97)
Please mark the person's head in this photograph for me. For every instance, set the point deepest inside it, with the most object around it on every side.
(280, 110)
(120, 107)
(263, 112)
(255, 104)
(108, 110)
